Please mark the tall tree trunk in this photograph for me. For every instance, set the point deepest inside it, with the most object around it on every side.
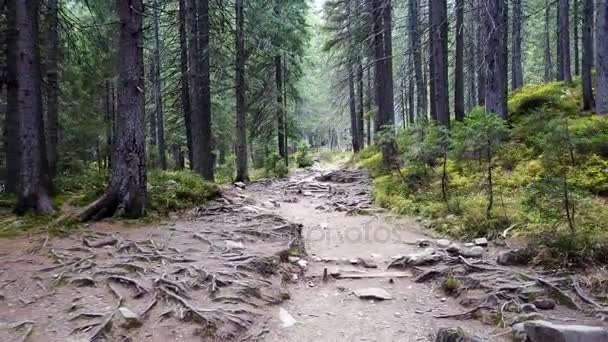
(185, 89)
(415, 47)
(12, 115)
(53, 87)
(563, 51)
(126, 193)
(158, 96)
(109, 122)
(575, 37)
(471, 57)
(153, 126)
(459, 64)
(601, 43)
(368, 105)
(242, 169)
(361, 111)
(588, 13)
(517, 73)
(352, 104)
(496, 100)
(34, 179)
(481, 44)
(280, 109)
(206, 163)
(439, 62)
(548, 56)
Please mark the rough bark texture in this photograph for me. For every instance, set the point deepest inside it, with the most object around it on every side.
(459, 63)
(185, 89)
(352, 104)
(368, 106)
(548, 57)
(242, 173)
(158, 96)
(439, 62)
(415, 47)
(517, 73)
(587, 65)
(575, 36)
(495, 92)
(280, 112)
(602, 57)
(126, 193)
(563, 50)
(471, 56)
(52, 80)
(12, 116)
(33, 173)
(361, 108)
(481, 43)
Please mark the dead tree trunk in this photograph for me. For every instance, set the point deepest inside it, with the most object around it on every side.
(33, 188)
(587, 65)
(126, 193)
(242, 169)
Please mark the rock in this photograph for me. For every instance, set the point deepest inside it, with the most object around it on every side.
(83, 282)
(373, 293)
(475, 252)
(451, 335)
(518, 332)
(454, 248)
(315, 258)
(286, 318)
(469, 244)
(293, 259)
(171, 182)
(128, 319)
(268, 205)
(324, 225)
(511, 258)
(367, 263)
(423, 243)
(234, 245)
(542, 331)
(443, 243)
(240, 185)
(303, 264)
(483, 242)
(427, 257)
(353, 261)
(544, 303)
(527, 308)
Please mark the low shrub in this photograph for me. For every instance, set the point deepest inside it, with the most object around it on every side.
(303, 157)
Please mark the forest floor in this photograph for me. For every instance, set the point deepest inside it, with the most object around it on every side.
(251, 266)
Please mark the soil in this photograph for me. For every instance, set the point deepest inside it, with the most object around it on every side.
(225, 271)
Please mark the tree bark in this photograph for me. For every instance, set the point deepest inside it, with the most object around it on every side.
(415, 47)
(126, 193)
(471, 57)
(495, 92)
(563, 52)
(33, 188)
(12, 114)
(158, 96)
(280, 112)
(205, 164)
(548, 56)
(242, 168)
(575, 37)
(53, 87)
(369, 106)
(361, 111)
(517, 73)
(459, 63)
(185, 89)
(439, 62)
(587, 65)
(352, 100)
(481, 44)
(601, 43)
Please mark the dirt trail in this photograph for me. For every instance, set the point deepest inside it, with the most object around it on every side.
(236, 270)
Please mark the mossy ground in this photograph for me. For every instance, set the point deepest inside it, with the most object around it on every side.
(168, 191)
(526, 197)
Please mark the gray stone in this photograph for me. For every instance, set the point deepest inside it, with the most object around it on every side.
(483, 242)
(423, 243)
(128, 319)
(527, 317)
(544, 303)
(454, 248)
(542, 331)
(373, 293)
(511, 258)
(303, 264)
(527, 308)
(240, 185)
(451, 335)
(367, 263)
(469, 244)
(518, 332)
(475, 252)
(286, 318)
(443, 243)
(426, 257)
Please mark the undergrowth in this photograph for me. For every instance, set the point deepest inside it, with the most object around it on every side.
(543, 175)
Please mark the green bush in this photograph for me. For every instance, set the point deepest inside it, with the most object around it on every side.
(303, 157)
(590, 134)
(225, 172)
(275, 166)
(553, 95)
(592, 175)
(177, 190)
